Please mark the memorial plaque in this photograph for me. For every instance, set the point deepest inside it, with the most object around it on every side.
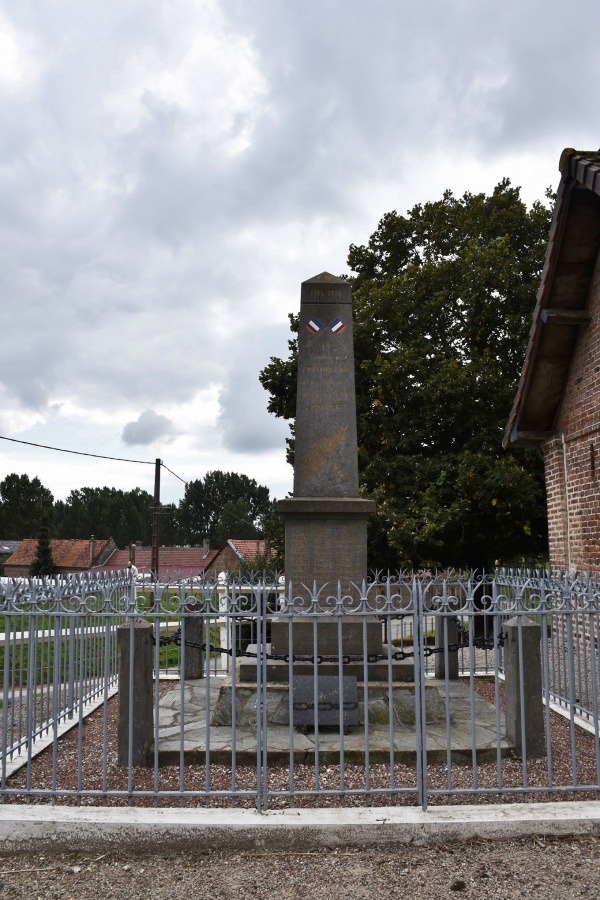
(325, 540)
(328, 711)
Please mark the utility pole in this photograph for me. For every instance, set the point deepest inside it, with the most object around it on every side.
(155, 515)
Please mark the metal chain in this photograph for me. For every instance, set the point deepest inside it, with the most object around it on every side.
(481, 643)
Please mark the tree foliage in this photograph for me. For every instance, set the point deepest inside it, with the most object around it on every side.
(43, 563)
(442, 306)
(105, 512)
(222, 501)
(222, 505)
(274, 535)
(235, 521)
(24, 503)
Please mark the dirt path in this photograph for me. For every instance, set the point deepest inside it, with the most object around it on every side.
(526, 868)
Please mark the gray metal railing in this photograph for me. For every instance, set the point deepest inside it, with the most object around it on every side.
(57, 656)
(346, 705)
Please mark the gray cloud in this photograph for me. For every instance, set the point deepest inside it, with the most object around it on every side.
(167, 182)
(148, 428)
(243, 421)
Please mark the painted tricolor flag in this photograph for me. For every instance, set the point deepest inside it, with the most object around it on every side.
(314, 325)
(337, 326)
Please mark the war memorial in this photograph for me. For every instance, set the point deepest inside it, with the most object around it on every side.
(323, 681)
(326, 670)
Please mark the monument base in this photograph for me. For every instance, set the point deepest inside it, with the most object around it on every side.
(278, 671)
(401, 703)
(218, 744)
(358, 639)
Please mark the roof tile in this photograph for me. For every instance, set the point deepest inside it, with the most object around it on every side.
(172, 561)
(249, 550)
(74, 554)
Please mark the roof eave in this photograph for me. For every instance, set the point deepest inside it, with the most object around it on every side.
(550, 325)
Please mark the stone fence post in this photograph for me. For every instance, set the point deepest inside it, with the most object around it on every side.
(194, 657)
(136, 640)
(527, 719)
(440, 658)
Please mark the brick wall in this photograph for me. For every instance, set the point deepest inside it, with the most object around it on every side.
(226, 560)
(557, 512)
(573, 502)
(106, 553)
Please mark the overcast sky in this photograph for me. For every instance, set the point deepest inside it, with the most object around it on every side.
(171, 170)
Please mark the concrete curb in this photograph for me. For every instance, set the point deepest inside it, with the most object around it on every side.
(148, 830)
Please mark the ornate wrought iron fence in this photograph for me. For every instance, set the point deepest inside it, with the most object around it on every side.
(396, 693)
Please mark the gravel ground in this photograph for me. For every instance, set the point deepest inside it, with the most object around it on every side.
(461, 774)
(524, 868)
(530, 867)
(16, 712)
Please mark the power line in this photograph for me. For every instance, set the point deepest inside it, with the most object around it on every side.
(174, 473)
(141, 462)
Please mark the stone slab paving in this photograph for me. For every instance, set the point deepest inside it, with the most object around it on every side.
(200, 734)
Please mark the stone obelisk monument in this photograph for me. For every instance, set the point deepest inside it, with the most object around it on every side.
(325, 520)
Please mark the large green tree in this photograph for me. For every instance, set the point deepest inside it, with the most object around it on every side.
(235, 521)
(442, 307)
(24, 504)
(237, 502)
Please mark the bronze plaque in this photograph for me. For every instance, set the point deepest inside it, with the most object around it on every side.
(328, 711)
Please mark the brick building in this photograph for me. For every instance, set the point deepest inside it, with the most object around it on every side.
(557, 406)
(235, 552)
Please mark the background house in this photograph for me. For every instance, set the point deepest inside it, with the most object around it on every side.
(69, 556)
(235, 553)
(6, 548)
(557, 406)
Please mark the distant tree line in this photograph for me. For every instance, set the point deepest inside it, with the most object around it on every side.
(220, 506)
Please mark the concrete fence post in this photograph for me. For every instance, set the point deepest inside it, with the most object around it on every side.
(440, 658)
(524, 719)
(193, 666)
(136, 640)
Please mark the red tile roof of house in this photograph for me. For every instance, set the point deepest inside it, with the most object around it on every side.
(172, 561)
(245, 550)
(73, 554)
(249, 550)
